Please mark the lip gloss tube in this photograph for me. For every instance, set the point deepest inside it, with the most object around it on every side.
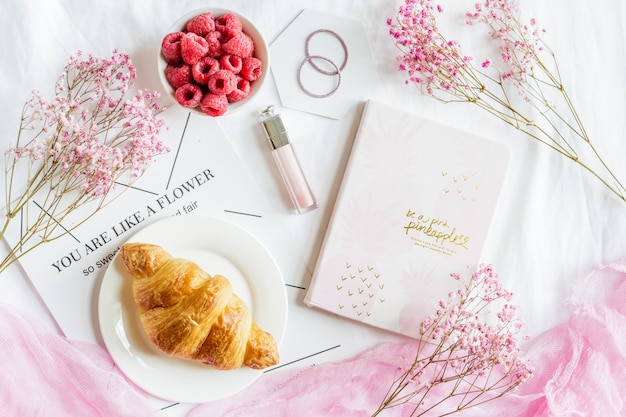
(287, 162)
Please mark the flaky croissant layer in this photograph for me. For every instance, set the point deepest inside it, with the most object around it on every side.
(190, 314)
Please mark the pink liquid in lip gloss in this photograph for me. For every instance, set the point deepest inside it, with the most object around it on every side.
(290, 170)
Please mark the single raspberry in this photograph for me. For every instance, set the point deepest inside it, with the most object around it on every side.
(193, 47)
(189, 95)
(222, 82)
(231, 63)
(227, 21)
(202, 24)
(241, 91)
(238, 43)
(177, 75)
(203, 69)
(214, 104)
(170, 47)
(227, 35)
(215, 44)
(251, 68)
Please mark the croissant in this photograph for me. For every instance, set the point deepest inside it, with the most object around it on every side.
(190, 314)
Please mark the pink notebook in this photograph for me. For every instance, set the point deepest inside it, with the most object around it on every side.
(414, 205)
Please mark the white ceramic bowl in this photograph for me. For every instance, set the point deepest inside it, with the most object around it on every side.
(260, 47)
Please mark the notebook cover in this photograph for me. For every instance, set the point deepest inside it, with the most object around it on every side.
(415, 205)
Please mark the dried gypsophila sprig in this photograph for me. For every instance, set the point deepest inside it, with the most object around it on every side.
(467, 352)
(97, 131)
(546, 113)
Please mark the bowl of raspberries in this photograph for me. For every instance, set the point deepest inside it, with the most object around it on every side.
(212, 61)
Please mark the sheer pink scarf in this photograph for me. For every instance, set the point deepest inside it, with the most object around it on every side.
(580, 371)
(44, 374)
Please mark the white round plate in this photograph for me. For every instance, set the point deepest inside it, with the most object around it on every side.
(220, 248)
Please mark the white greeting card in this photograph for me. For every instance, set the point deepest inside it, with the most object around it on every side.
(328, 36)
(415, 205)
(201, 174)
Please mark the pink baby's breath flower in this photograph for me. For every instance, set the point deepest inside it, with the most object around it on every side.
(95, 131)
(431, 61)
(476, 360)
(440, 69)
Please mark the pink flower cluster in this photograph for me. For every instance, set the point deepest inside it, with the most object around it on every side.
(526, 63)
(95, 130)
(519, 43)
(430, 60)
(467, 350)
(474, 344)
(435, 63)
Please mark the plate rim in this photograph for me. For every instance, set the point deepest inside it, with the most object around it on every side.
(111, 312)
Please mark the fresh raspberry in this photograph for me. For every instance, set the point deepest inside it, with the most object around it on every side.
(203, 69)
(214, 104)
(222, 82)
(251, 68)
(170, 47)
(227, 34)
(215, 44)
(202, 24)
(231, 63)
(189, 95)
(237, 43)
(241, 91)
(178, 75)
(228, 21)
(193, 47)
(210, 63)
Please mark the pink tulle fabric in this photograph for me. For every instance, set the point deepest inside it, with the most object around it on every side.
(44, 374)
(580, 370)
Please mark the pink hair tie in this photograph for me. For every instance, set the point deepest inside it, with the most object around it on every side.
(341, 41)
(310, 59)
(337, 72)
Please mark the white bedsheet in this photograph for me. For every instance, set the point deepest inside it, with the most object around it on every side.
(554, 222)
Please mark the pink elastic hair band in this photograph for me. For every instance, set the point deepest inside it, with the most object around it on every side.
(330, 61)
(341, 41)
(310, 59)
